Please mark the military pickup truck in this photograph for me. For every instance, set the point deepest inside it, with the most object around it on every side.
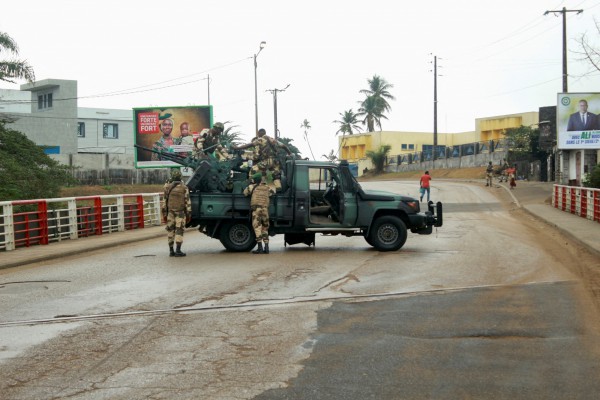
(315, 197)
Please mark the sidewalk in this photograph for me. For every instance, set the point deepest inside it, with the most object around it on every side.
(534, 197)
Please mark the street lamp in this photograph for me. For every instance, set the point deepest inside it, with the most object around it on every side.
(262, 45)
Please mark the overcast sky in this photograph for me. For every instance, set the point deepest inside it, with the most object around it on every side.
(494, 57)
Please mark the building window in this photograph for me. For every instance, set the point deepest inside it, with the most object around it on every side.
(81, 129)
(44, 101)
(411, 146)
(404, 146)
(110, 131)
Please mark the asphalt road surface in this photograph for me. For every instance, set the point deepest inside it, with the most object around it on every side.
(491, 305)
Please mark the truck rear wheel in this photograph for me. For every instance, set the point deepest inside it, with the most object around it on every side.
(388, 233)
(237, 236)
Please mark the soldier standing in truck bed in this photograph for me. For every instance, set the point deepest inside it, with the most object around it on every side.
(259, 202)
(209, 143)
(265, 156)
(178, 210)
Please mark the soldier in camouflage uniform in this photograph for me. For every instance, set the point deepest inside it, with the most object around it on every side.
(265, 159)
(209, 143)
(259, 202)
(177, 210)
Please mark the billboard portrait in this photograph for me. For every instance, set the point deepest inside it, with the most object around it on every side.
(578, 120)
(167, 129)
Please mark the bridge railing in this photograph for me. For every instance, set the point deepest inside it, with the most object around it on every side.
(24, 223)
(581, 201)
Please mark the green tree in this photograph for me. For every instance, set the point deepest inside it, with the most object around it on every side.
(371, 110)
(14, 68)
(230, 136)
(523, 144)
(375, 104)
(27, 172)
(288, 143)
(331, 156)
(348, 123)
(306, 126)
(592, 179)
(379, 156)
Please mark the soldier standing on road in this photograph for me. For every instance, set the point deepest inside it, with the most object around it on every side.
(259, 202)
(489, 173)
(178, 210)
(265, 156)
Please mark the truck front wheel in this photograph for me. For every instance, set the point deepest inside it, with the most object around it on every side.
(237, 236)
(388, 233)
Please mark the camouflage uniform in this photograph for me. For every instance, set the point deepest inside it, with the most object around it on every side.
(208, 144)
(489, 172)
(164, 146)
(178, 209)
(265, 159)
(259, 202)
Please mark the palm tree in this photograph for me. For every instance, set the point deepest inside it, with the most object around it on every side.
(330, 157)
(288, 143)
(372, 111)
(306, 126)
(375, 103)
(229, 137)
(378, 88)
(348, 122)
(13, 69)
(379, 156)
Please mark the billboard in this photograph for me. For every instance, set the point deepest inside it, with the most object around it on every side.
(577, 120)
(171, 129)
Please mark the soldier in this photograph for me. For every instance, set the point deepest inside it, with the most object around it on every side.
(178, 210)
(259, 202)
(265, 156)
(209, 142)
(489, 174)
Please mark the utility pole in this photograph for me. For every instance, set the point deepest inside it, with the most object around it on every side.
(208, 83)
(435, 101)
(274, 91)
(564, 12)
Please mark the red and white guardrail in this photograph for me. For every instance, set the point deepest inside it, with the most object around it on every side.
(581, 201)
(30, 222)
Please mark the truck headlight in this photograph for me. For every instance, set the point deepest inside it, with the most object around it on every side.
(414, 205)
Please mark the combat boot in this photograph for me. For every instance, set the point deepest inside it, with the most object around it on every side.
(178, 252)
(266, 250)
(171, 251)
(259, 249)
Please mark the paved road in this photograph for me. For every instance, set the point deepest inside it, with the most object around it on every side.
(483, 308)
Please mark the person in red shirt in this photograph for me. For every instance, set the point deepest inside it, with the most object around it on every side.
(425, 185)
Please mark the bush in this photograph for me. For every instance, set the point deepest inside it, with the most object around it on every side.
(27, 172)
(592, 179)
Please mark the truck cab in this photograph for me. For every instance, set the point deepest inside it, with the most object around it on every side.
(315, 197)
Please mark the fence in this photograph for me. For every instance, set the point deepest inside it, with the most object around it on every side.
(445, 152)
(39, 222)
(581, 201)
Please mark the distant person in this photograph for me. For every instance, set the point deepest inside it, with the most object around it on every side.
(583, 120)
(489, 174)
(425, 186)
(512, 177)
(165, 142)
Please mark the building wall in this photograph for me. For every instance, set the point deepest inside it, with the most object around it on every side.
(354, 147)
(94, 139)
(53, 125)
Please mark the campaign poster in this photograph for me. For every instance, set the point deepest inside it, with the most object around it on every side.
(167, 129)
(578, 120)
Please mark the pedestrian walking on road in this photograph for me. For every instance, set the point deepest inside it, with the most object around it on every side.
(425, 186)
(512, 176)
(177, 211)
(489, 174)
